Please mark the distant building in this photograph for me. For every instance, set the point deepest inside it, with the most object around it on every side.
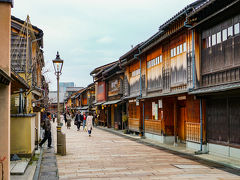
(71, 90)
(62, 89)
(63, 86)
(53, 101)
(64, 92)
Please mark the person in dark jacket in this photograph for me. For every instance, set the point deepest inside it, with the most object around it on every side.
(78, 120)
(65, 118)
(47, 135)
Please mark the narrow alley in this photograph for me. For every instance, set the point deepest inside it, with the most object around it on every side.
(108, 156)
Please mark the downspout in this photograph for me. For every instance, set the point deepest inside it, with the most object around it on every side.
(193, 52)
(143, 121)
(201, 151)
(193, 75)
(201, 126)
(20, 110)
(140, 84)
(136, 57)
(193, 59)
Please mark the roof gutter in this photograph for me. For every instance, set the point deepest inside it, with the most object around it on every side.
(136, 56)
(193, 50)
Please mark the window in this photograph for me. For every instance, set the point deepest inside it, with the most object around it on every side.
(171, 52)
(160, 59)
(209, 41)
(224, 35)
(219, 37)
(180, 49)
(174, 51)
(136, 72)
(230, 31)
(213, 39)
(184, 47)
(236, 29)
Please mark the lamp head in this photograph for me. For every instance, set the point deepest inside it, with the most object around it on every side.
(57, 64)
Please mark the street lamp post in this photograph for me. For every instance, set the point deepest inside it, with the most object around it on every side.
(58, 63)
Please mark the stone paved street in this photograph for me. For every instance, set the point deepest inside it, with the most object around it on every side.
(108, 156)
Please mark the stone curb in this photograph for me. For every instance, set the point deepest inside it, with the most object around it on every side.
(48, 167)
(216, 164)
(37, 171)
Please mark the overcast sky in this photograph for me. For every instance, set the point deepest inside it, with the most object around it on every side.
(91, 33)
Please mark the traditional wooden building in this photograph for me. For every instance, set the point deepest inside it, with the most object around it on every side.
(217, 24)
(101, 92)
(71, 98)
(85, 99)
(159, 74)
(133, 87)
(113, 77)
(27, 62)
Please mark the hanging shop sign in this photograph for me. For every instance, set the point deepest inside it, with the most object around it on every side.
(159, 103)
(156, 111)
(137, 102)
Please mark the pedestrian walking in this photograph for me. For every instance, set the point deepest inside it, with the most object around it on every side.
(54, 117)
(84, 121)
(78, 120)
(61, 117)
(89, 122)
(47, 134)
(69, 119)
(65, 118)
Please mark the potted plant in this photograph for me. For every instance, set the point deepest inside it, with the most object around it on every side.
(125, 121)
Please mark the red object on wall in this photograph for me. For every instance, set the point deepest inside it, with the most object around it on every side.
(101, 91)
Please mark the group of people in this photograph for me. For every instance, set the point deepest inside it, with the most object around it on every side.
(85, 120)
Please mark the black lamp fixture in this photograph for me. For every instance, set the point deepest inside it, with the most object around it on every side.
(58, 64)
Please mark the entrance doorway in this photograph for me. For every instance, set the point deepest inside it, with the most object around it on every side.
(182, 124)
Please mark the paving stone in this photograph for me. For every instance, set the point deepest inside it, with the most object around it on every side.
(108, 156)
(50, 157)
(49, 169)
(48, 178)
(20, 167)
(49, 164)
(48, 173)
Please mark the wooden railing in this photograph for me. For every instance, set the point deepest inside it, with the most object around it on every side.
(133, 124)
(193, 131)
(153, 126)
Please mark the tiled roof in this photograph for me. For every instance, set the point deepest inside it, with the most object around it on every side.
(214, 89)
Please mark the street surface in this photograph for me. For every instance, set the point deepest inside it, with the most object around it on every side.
(108, 156)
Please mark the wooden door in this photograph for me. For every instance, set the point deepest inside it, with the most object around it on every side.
(112, 116)
(181, 123)
(109, 117)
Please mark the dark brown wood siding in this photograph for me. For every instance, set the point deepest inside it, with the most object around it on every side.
(223, 120)
(221, 53)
